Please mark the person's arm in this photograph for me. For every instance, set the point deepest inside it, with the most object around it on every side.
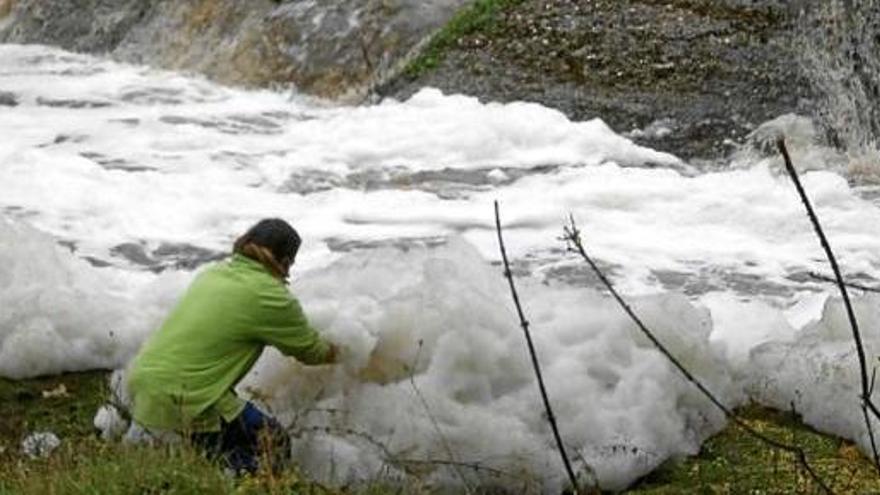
(283, 324)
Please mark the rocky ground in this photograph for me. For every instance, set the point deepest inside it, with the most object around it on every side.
(689, 76)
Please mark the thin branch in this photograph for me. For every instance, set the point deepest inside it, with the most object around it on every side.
(443, 440)
(525, 326)
(391, 459)
(854, 324)
(573, 237)
(298, 431)
(871, 435)
(868, 419)
(457, 464)
(854, 285)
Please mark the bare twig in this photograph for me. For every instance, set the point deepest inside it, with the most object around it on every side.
(298, 431)
(393, 460)
(573, 237)
(443, 440)
(867, 403)
(469, 465)
(525, 326)
(854, 285)
(871, 435)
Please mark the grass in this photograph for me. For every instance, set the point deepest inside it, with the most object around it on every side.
(85, 464)
(731, 462)
(481, 16)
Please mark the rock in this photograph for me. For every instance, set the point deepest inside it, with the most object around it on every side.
(8, 99)
(40, 444)
(331, 49)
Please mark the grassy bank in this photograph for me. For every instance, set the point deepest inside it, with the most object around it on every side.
(731, 462)
(480, 17)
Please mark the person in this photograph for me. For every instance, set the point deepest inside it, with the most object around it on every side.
(184, 375)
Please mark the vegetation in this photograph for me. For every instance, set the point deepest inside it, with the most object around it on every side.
(733, 462)
(482, 16)
(85, 464)
(730, 462)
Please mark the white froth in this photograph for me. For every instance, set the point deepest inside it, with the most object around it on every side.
(818, 373)
(438, 322)
(60, 314)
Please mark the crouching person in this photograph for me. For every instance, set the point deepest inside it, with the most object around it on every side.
(183, 377)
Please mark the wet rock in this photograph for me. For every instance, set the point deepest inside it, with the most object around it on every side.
(447, 183)
(179, 256)
(74, 104)
(8, 99)
(97, 262)
(67, 138)
(332, 49)
(234, 124)
(108, 163)
(402, 243)
(134, 253)
(185, 256)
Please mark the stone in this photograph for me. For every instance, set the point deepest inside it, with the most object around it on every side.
(8, 99)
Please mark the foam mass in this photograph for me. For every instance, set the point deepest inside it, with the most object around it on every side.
(436, 368)
(435, 378)
(61, 314)
(817, 373)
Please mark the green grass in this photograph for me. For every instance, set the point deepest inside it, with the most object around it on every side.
(88, 465)
(84, 464)
(481, 16)
(23, 409)
(730, 462)
(734, 462)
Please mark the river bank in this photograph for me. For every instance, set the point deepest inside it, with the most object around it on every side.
(729, 462)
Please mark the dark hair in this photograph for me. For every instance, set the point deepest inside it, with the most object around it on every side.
(274, 234)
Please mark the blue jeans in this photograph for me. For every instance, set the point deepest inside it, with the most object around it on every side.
(247, 440)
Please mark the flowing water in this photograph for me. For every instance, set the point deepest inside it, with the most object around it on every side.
(845, 71)
(117, 181)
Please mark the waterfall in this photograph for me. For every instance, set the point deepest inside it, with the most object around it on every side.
(844, 68)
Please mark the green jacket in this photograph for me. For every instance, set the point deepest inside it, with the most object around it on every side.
(184, 375)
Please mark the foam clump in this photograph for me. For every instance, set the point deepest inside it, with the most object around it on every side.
(40, 444)
(817, 373)
(110, 422)
(436, 371)
(61, 314)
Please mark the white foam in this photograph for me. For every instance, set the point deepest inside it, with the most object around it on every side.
(443, 317)
(60, 314)
(818, 373)
(40, 444)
